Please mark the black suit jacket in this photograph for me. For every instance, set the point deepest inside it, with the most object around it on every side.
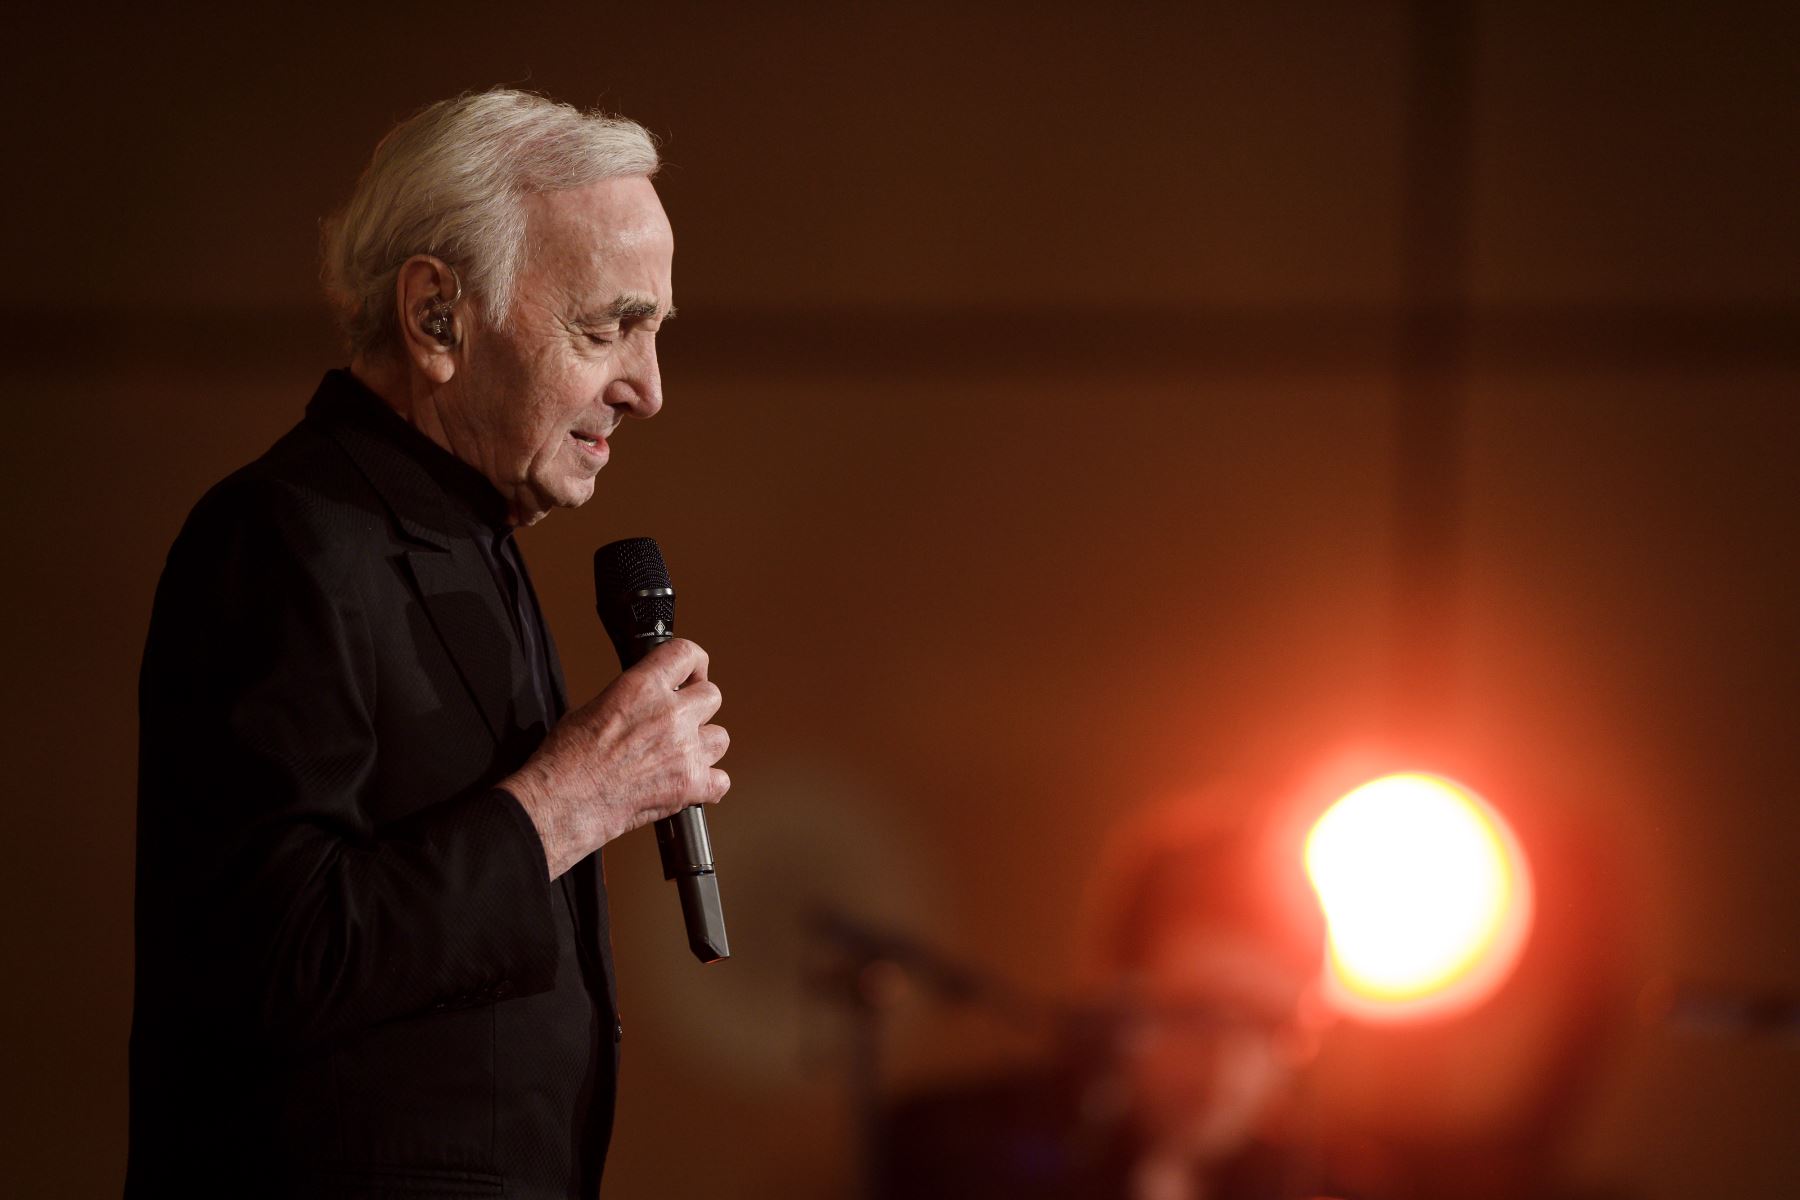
(353, 975)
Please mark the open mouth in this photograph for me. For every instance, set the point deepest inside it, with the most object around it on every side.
(588, 441)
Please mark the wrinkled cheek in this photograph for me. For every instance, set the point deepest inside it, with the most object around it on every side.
(554, 460)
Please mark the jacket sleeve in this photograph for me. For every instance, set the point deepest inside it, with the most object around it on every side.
(294, 919)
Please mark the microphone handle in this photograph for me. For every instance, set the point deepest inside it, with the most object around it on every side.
(695, 880)
(686, 852)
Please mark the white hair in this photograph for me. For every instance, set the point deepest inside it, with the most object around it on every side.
(451, 181)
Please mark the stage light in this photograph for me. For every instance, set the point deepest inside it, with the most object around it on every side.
(1427, 897)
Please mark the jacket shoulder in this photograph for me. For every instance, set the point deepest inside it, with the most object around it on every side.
(303, 496)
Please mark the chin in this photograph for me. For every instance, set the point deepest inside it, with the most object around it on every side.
(573, 494)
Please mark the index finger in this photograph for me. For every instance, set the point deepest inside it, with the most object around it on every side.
(675, 663)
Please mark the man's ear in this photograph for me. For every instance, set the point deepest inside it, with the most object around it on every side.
(427, 295)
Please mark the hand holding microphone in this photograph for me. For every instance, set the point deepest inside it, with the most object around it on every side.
(636, 603)
(641, 751)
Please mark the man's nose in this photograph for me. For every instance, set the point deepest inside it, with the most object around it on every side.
(638, 392)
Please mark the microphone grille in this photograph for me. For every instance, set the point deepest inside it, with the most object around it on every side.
(628, 565)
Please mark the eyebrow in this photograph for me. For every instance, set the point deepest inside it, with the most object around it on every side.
(630, 307)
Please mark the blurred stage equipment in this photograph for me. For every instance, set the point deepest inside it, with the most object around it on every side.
(862, 951)
(636, 603)
(864, 970)
(1427, 897)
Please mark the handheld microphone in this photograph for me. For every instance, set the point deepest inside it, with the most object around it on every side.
(636, 603)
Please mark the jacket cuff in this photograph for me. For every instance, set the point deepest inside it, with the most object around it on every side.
(518, 875)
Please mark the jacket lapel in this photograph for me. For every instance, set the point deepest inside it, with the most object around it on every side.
(468, 621)
(453, 582)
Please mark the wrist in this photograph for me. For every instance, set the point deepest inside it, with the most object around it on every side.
(528, 788)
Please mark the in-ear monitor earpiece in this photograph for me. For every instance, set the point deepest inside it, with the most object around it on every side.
(437, 320)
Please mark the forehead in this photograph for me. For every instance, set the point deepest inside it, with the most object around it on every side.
(612, 234)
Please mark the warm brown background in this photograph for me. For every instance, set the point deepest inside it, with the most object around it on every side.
(1029, 451)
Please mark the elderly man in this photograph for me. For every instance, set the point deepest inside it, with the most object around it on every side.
(372, 938)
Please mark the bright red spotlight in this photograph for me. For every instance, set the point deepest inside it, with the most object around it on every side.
(1426, 893)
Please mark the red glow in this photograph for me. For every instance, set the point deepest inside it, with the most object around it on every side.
(1427, 897)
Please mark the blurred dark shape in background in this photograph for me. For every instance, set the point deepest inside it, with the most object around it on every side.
(1175, 1067)
(1158, 391)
